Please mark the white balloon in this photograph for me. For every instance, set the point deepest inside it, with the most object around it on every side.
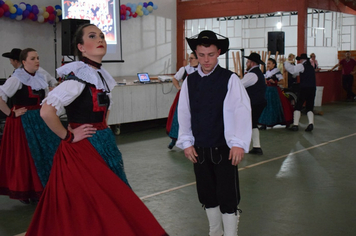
(19, 17)
(22, 6)
(40, 18)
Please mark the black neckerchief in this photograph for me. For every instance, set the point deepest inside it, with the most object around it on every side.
(91, 62)
(33, 74)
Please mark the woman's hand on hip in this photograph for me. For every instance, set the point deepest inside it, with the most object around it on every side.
(82, 132)
(20, 111)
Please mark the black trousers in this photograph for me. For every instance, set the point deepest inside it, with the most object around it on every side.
(217, 179)
(347, 82)
(307, 95)
(257, 110)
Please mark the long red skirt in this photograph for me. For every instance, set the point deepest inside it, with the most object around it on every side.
(18, 174)
(170, 119)
(287, 108)
(84, 197)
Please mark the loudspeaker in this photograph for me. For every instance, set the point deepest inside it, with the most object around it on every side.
(69, 26)
(276, 42)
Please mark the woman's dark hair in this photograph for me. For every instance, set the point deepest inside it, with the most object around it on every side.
(195, 55)
(78, 39)
(273, 61)
(24, 53)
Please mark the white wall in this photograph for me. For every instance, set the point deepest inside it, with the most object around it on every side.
(148, 42)
(326, 34)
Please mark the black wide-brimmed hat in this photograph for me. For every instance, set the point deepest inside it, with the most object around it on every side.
(302, 56)
(14, 54)
(255, 57)
(209, 37)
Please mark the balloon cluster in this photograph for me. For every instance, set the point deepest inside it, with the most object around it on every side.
(132, 10)
(33, 12)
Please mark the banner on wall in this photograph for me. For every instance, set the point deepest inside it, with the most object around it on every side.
(105, 14)
(100, 13)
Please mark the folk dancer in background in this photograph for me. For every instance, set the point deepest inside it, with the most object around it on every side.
(307, 90)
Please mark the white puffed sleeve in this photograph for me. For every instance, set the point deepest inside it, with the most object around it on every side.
(111, 101)
(179, 75)
(64, 94)
(9, 88)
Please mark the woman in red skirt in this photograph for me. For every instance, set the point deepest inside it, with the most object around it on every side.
(28, 145)
(172, 126)
(87, 192)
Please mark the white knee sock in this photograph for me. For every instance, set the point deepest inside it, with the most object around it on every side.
(310, 115)
(256, 138)
(231, 222)
(296, 117)
(215, 221)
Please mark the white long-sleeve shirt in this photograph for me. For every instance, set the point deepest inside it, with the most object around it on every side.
(189, 69)
(249, 79)
(274, 71)
(294, 69)
(236, 112)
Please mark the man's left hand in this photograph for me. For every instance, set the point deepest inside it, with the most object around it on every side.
(236, 155)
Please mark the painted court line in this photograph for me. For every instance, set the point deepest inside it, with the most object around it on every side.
(253, 165)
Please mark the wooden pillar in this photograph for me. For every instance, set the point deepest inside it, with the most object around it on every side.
(302, 26)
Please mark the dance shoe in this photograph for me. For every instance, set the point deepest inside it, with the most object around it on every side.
(294, 128)
(256, 151)
(309, 128)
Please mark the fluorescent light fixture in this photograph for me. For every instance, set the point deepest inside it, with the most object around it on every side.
(279, 25)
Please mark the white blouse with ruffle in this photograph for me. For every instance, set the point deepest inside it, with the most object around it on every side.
(66, 92)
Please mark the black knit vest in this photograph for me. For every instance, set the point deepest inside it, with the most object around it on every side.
(206, 97)
(89, 107)
(307, 78)
(28, 97)
(257, 91)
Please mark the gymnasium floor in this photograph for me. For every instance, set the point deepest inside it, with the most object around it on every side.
(303, 185)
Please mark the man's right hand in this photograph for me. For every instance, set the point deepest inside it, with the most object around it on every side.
(191, 154)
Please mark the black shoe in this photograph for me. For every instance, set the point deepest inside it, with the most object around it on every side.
(262, 127)
(309, 128)
(256, 151)
(171, 145)
(294, 128)
(25, 201)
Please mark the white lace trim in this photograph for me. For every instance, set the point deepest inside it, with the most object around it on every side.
(275, 71)
(56, 103)
(190, 69)
(88, 74)
(36, 82)
(3, 96)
